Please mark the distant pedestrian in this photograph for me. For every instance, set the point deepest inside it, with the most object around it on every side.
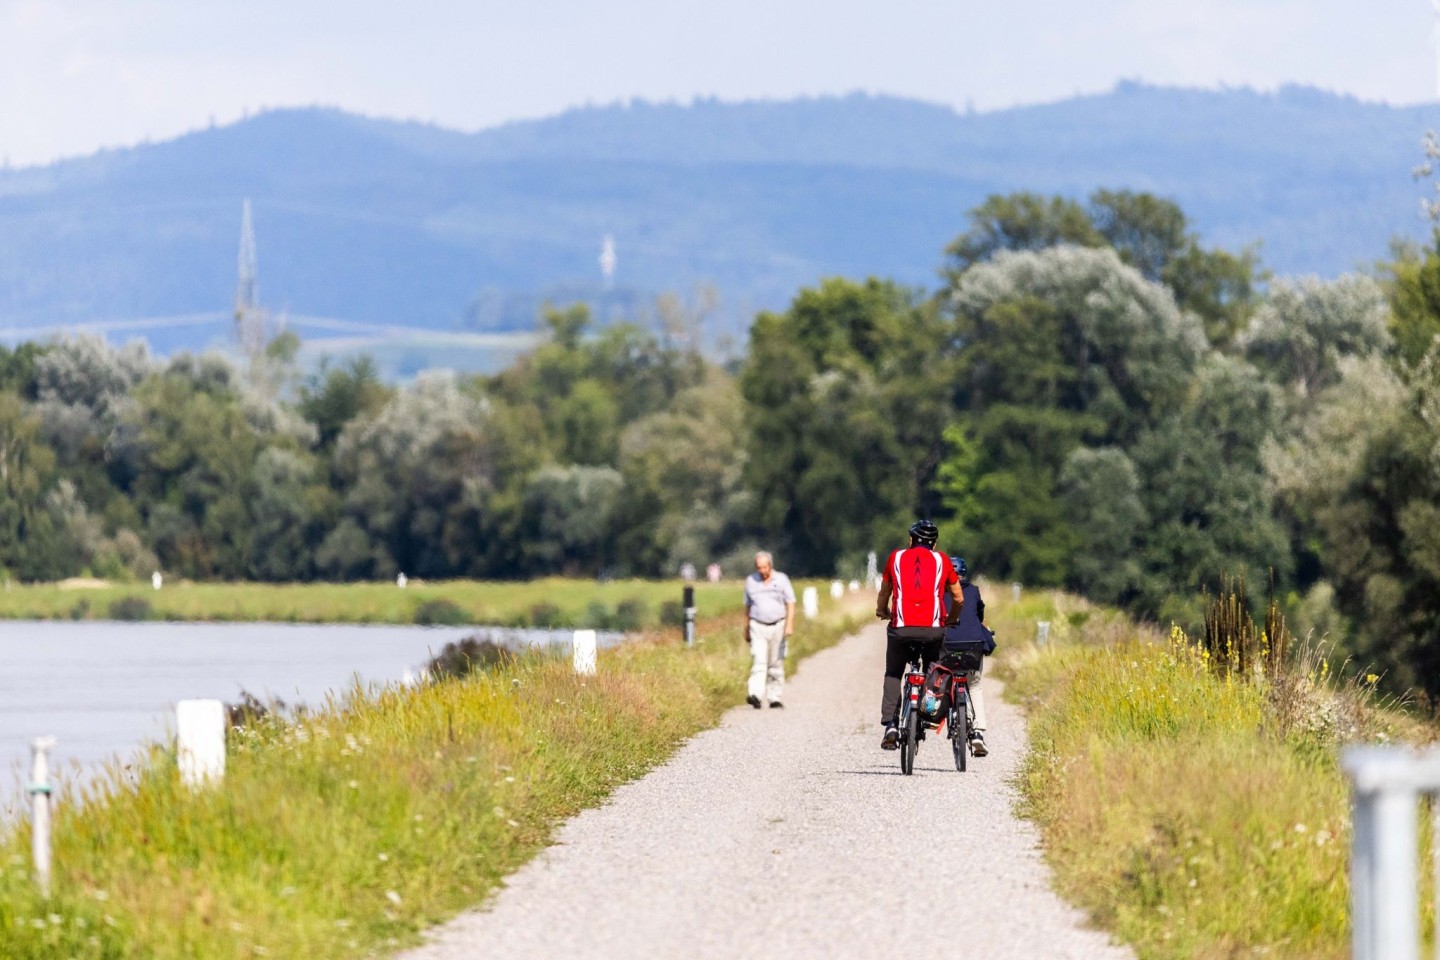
(769, 620)
(687, 571)
(712, 573)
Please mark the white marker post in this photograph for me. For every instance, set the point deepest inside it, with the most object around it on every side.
(40, 790)
(837, 589)
(1042, 633)
(1386, 783)
(1015, 592)
(584, 646)
(810, 603)
(200, 741)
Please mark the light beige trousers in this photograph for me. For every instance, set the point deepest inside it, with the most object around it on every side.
(977, 696)
(767, 660)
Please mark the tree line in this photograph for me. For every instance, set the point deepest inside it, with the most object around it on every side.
(1090, 399)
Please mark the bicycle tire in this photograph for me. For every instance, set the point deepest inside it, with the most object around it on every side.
(960, 732)
(911, 742)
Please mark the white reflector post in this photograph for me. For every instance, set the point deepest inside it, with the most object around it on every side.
(40, 811)
(810, 601)
(200, 741)
(584, 646)
(837, 589)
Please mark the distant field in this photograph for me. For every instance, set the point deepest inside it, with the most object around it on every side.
(555, 602)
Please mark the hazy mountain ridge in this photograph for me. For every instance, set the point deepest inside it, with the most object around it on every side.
(394, 222)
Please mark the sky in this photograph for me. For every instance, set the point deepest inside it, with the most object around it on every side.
(79, 75)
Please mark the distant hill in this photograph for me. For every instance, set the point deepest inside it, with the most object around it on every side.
(392, 224)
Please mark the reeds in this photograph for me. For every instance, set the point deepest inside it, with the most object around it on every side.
(1233, 642)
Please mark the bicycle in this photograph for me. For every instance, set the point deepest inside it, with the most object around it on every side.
(960, 716)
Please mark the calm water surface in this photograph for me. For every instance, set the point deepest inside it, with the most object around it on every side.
(103, 689)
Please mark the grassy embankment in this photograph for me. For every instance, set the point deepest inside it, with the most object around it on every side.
(345, 833)
(554, 602)
(1194, 813)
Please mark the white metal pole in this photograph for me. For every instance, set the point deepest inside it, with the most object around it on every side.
(1384, 865)
(40, 791)
(1362, 876)
(1396, 900)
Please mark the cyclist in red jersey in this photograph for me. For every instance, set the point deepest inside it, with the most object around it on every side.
(911, 589)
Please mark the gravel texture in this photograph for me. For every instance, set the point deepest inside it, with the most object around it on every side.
(790, 833)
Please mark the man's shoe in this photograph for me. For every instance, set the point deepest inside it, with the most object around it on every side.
(891, 740)
(753, 700)
(776, 705)
(977, 744)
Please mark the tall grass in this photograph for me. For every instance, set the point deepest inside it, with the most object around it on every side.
(1195, 809)
(348, 830)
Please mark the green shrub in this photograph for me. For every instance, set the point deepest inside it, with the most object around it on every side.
(131, 608)
(460, 658)
(249, 710)
(546, 614)
(440, 612)
(598, 616)
(672, 613)
(631, 614)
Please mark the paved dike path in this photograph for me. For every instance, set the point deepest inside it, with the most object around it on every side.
(790, 833)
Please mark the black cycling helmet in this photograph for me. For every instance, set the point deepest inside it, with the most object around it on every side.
(924, 531)
(962, 569)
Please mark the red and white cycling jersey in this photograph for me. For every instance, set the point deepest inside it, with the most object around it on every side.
(919, 577)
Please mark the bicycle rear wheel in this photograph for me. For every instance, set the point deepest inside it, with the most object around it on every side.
(960, 732)
(910, 742)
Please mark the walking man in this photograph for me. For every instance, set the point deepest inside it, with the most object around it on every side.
(769, 620)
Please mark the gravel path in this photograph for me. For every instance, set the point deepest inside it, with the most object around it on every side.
(792, 834)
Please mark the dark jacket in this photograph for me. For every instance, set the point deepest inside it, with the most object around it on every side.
(971, 628)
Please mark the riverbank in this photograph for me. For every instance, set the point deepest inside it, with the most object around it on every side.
(371, 818)
(1194, 814)
(551, 602)
(103, 689)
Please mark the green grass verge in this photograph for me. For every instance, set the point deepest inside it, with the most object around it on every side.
(1194, 816)
(346, 833)
(553, 602)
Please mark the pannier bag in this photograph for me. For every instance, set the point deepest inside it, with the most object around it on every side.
(935, 695)
(966, 654)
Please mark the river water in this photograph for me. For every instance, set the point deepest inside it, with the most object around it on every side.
(104, 689)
